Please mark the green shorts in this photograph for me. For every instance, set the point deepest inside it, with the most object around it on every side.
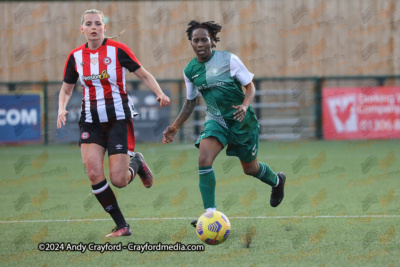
(244, 146)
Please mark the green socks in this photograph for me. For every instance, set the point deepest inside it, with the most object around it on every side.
(207, 186)
(207, 182)
(266, 175)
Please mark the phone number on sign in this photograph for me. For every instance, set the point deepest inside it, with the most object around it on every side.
(379, 125)
(81, 247)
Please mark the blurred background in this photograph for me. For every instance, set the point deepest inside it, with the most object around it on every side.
(323, 69)
(327, 75)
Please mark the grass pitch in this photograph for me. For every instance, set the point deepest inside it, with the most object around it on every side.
(341, 207)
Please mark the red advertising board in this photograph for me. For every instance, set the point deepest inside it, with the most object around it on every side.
(361, 113)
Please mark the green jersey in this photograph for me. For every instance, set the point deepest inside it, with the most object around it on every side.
(220, 81)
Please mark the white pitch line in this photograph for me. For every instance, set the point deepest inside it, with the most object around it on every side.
(318, 217)
(193, 218)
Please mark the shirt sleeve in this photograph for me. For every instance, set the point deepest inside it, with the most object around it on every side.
(127, 59)
(191, 91)
(70, 73)
(239, 71)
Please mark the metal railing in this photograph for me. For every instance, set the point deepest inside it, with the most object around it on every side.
(283, 89)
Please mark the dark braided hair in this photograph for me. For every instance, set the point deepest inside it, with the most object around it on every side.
(213, 29)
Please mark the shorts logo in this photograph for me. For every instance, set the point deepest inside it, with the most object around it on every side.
(106, 61)
(119, 146)
(254, 150)
(200, 137)
(85, 135)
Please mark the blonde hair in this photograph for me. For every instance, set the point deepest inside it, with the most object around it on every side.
(95, 11)
(92, 11)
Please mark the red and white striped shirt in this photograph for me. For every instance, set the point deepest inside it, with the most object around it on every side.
(102, 73)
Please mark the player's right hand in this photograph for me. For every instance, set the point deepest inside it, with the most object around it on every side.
(169, 133)
(164, 100)
(62, 118)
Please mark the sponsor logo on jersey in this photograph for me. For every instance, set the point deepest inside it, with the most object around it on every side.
(102, 75)
(207, 86)
(107, 61)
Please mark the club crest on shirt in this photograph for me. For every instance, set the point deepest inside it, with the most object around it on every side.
(214, 71)
(107, 61)
(94, 60)
(102, 75)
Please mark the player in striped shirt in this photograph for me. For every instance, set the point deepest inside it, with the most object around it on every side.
(230, 119)
(107, 111)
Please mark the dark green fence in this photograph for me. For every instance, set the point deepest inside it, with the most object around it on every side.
(286, 107)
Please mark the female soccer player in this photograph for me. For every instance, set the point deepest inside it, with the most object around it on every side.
(230, 120)
(107, 111)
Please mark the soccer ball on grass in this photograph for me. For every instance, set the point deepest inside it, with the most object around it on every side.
(213, 227)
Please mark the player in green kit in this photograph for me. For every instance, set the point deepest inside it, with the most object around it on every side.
(230, 119)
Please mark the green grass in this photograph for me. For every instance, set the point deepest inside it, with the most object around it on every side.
(323, 179)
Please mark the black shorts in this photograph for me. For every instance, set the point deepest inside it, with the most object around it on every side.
(117, 137)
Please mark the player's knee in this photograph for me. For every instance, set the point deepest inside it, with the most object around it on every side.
(204, 161)
(119, 183)
(93, 173)
(118, 179)
(250, 171)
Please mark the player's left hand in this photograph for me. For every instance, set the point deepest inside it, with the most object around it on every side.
(240, 113)
(164, 100)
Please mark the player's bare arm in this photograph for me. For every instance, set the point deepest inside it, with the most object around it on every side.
(65, 95)
(240, 113)
(185, 113)
(152, 84)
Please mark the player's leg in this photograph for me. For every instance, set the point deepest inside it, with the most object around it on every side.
(120, 174)
(210, 147)
(246, 148)
(123, 169)
(139, 166)
(93, 157)
(121, 145)
(93, 144)
(263, 172)
(211, 141)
